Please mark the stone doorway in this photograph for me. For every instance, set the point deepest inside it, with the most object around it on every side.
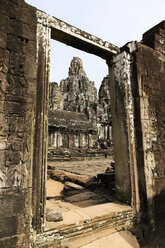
(80, 150)
(50, 27)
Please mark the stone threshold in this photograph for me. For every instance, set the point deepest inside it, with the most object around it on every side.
(93, 222)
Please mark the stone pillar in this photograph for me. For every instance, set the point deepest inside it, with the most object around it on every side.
(57, 140)
(80, 140)
(73, 140)
(76, 141)
(122, 105)
(70, 141)
(40, 151)
(89, 141)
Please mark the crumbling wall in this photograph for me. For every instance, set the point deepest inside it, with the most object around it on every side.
(17, 114)
(121, 69)
(138, 119)
(151, 81)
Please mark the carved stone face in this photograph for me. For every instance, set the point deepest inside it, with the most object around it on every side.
(76, 67)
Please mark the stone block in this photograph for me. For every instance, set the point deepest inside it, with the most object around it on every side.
(30, 48)
(17, 63)
(6, 208)
(18, 2)
(53, 215)
(28, 15)
(17, 146)
(10, 241)
(4, 7)
(16, 108)
(162, 32)
(13, 225)
(24, 31)
(3, 143)
(4, 24)
(4, 61)
(15, 43)
(8, 226)
(12, 158)
(10, 9)
(3, 40)
(159, 39)
(30, 67)
(3, 125)
(159, 47)
(2, 156)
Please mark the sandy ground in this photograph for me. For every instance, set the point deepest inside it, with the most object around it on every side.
(54, 188)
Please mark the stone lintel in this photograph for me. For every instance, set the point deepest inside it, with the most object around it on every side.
(70, 35)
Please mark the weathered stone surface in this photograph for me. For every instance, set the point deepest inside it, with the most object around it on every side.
(104, 119)
(79, 94)
(152, 102)
(67, 176)
(81, 226)
(71, 189)
(17, 107)
(138, 74)
(105, 100)
(68, 129)
(77, 38)
(55, 97)
(53, 215)
(85, 196)
(89, 168)
(74, 186)
(123, 239)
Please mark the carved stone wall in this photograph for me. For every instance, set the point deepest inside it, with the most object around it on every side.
(17, 113)
(151, 81)
(138, 118)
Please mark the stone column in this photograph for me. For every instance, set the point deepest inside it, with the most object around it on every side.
(122, 105)
(40, 152)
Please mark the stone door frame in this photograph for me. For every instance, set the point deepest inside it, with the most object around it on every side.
(50, 27)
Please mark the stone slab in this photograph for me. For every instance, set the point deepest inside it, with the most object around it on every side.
(120, 239)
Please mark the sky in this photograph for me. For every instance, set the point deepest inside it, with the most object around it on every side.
(115, 21)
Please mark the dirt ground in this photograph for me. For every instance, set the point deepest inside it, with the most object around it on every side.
(54, 188)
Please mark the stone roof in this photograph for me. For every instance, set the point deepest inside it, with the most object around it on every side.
(70, 120)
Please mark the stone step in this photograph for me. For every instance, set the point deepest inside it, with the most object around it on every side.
(123, 239)
(81, 226)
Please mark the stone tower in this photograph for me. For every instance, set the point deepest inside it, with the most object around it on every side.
(78, 92)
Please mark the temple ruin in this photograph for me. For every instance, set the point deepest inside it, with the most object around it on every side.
(137, 98)
(78, 117)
